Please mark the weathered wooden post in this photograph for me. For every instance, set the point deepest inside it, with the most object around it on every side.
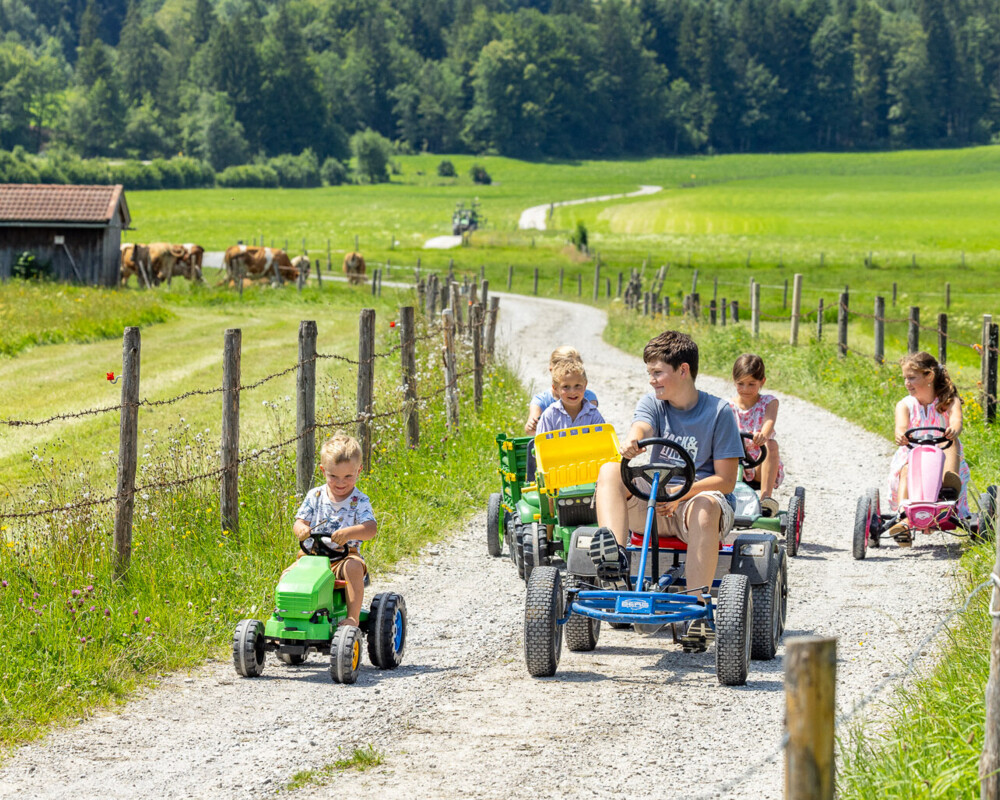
(597, 278)
(842, 324)
(579, 284)
(696, 305)
(991, 374)
(450, 373)
(484, 292)
(819, 321)
(913, 334)
(810, 693)
(796, 307)
(755, 311)
(607, 288)
(984, 353)
(510, 275)
(711, 312)
(619, 284)
(379, 281)
(879, 329)
(535, 284)
(408, 372)
(894, 294)
(989, 759)
(694, 282)
(229, 449)
(128, 450)
(491, 326)
(645, 304)
(476, 312)
(329, 256)
(374, 281)
(305, 428)
(947, 295)
(723, 308)
(942, 338)
(366, 383)
(784, 296)
(735, 309)
(561, 276)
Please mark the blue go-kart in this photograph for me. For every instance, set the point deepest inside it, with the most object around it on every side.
(744, 607)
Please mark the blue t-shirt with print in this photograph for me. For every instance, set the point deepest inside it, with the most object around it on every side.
(325, 516)
(707, 430)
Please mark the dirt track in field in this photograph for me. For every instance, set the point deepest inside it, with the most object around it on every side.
(461, 717)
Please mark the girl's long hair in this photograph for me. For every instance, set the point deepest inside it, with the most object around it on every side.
(944, 389)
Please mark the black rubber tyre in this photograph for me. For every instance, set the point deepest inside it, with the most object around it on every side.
(248, 648)
(783, 566)
(800, 492)
(386, 630)
(517, 548)
(987, 527)
(543, 607)
(292, 659)
(793, 523)
(345, 654)
(862, 525)
(535, 546)
(581, 632)
(733, 635)
(767, 619)
(494, 517)
(875, 526)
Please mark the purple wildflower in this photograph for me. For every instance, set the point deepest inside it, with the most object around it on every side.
(76, 593)
(147, 620)
(5, 584)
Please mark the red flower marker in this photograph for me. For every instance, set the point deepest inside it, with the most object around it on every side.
(111, 377)
(392, 324)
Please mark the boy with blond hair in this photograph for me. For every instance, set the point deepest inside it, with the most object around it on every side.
(339, 510)
(572, 408)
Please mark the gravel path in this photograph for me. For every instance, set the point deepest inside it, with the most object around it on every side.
(536, 216)
(443, 242)
(461, 717)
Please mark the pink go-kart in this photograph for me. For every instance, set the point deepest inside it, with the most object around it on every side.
(930, 506)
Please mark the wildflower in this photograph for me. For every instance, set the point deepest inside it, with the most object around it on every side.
(135, 613)
(76, 593)
(107, 612)
(147, 620)
(4, 584)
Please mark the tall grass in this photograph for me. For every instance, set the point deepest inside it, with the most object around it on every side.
(930, 744)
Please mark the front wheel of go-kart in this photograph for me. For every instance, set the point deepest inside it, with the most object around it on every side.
(793, 523)
(582, 632)
(386, 630)
(864, 516)
(345, 654)
(248, 648)
(535, 546)
(768, 601)
(543, 607)
(292, 659)
(987, 524)
(494, 518)
(733, 634)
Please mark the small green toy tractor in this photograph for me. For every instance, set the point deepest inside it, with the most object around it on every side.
(308, 603)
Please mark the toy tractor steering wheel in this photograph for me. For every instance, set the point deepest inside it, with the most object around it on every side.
(913, 440)
(668, 472)
(746, 461)
(315, 545)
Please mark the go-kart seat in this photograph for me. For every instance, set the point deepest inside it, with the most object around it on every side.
(339, 584)
(670, 543)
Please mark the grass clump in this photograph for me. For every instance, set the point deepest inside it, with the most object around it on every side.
(360, 760)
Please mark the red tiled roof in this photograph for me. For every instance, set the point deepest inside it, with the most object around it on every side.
(29, 202)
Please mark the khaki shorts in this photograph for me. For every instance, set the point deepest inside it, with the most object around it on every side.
(677, 525)
(338, 568)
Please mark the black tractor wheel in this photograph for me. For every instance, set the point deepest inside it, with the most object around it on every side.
(987, 527)
(800, 492)
(248, 648)
(768, 599)
(543, 607)
(733, 635)
(292, 659)
(517, 548)
(494, 518)
(793, 522)
(582, 632)
(386, 630)
(784, 586)
(535, 546)
(345, 654)
(863, 516)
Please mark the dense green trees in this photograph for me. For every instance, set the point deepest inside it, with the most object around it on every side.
(233, 81)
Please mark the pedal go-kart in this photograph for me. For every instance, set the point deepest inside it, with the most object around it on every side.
(745, 606)
(537, 517)
(748, 509)
(308, 603)
(930, 506)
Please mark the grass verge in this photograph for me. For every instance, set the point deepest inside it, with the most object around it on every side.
(929, 746)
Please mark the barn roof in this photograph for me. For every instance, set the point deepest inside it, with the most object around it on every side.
(74, 206)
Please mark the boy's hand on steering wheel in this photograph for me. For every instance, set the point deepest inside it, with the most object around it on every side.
(630, 448)
(339, 537)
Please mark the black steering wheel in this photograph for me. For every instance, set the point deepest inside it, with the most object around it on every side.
(324, 546)
(913, 440)
(668, 472)
(746, 461)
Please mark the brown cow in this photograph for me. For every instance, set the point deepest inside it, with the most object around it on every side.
(193, 254)
(163, 259)
(135, 261)
(354, 267)
(241, 262)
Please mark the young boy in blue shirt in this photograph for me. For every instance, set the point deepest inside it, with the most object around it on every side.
(572, 408)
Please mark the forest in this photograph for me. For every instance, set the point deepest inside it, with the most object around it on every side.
(231, 82)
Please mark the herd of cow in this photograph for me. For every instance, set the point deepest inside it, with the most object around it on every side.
(160, 262)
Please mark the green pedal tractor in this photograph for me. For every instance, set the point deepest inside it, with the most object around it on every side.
(308, 603)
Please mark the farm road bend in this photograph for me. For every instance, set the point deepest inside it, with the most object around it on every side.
(534, 218)
(461, 717)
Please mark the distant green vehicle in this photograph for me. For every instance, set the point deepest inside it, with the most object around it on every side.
(308, 603)
(465, 218)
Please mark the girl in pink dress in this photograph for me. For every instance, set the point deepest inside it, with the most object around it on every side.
(932, 400)
(756, 414)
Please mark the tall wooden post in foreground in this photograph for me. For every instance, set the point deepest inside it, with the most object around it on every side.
(128, 450)
(796, 307)
(229, 449)
(408, 368)
(989, 759)
(450, 373)
(810, 682)
(305, 406)
(366, 383)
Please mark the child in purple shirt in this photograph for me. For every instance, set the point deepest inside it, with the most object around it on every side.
(572, 408)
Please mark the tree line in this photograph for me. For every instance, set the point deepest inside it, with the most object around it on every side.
(232, 82)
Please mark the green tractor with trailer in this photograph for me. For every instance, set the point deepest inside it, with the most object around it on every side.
(309, 602)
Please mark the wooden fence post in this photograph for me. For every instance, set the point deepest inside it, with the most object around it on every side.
(784, 296)
(329, 256)
(989, 759)
(735, 307)
(535, 284)
(305, 447)
(619, 284)
(408, 372)
(562, 271)
(579, 284)
(755, 311)
(510, 275)
(366, 383)
(450, 374)
(947, 295)
(879, 329)
(942, 338)
(842, 309)
(894, 294)
(694, 282)
(984, 353)
(711, 312)
(991, 374)
(491, 326)
(715, 287)
(476, 312)
(128, 449)
(229, 449)
(796, 307)
(819, 321)
(374, 281)
(810, 692)
(723, 308)
(913, 334)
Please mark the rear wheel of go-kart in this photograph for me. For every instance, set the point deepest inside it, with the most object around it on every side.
(386, 630)
(768, 621)
(494, 544)
(535, 546)
(582, 632)
(733, 635)
(987, 527)
(345, 654)
(875, 526)
(517, 548)
(793, 522)
(292, 659)
(800, 492)
(543, 607)
(783, 566)
(863, 516)
(248, 648)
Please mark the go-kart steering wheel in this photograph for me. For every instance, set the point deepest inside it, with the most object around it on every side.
(667, 470)
(928, 439)
(324, 546)
(746, 461)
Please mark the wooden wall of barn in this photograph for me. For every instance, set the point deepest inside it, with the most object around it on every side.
(91, 256)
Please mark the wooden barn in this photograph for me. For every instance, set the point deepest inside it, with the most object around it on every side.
(73, 232)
